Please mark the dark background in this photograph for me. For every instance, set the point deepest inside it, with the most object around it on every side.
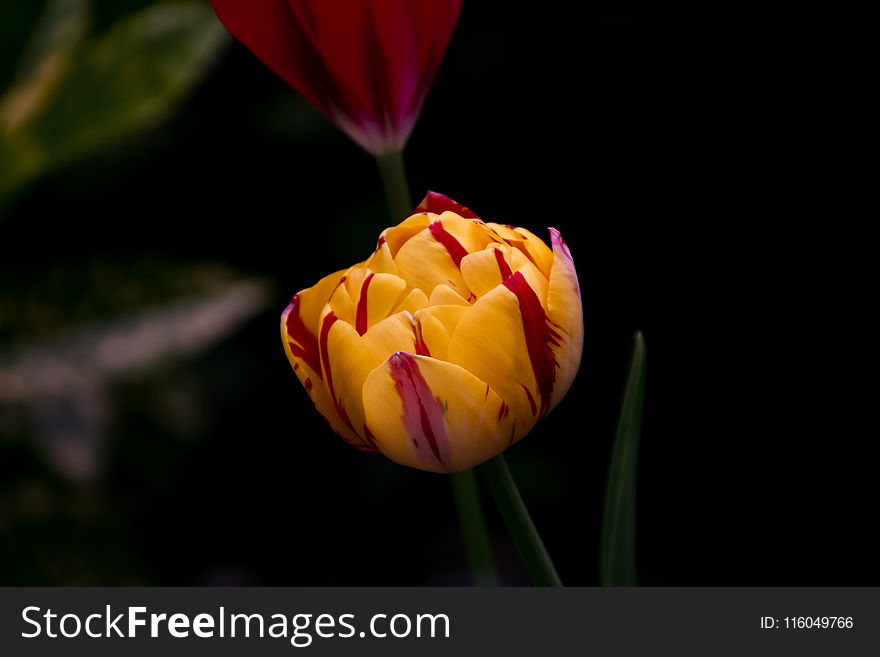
(647, 135)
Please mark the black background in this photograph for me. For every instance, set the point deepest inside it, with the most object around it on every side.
(656, 140)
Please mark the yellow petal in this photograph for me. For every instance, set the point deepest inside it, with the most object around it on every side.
(394, 333)
(565, 316)
(506, 233)
(530, 244)
(443, 295)
(415, 300)
(536, 249)
(423, 262)
(490, 343)
(354, 281)
(436, 324)
(433, 415)
(340, 301)
(397, 236)
(382, 261)
(484, 270)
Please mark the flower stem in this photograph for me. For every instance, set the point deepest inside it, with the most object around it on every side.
(473, 527)
(464, 484)
(393, 174)
(519, 523)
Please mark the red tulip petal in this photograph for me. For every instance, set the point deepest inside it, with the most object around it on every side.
(414, 35)
(345, 40)
(271, 31)
(440, 203)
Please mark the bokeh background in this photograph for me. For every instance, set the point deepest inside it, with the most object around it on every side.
(162, 195)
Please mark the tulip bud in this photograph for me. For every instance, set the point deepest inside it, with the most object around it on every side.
(446, 345)
(367, 65)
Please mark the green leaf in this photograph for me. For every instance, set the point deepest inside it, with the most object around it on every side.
(17, 23)
(35, 69)
(618, 555)
(125, 80)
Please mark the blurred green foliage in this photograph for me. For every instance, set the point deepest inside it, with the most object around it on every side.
(76, 78)
(41, 302)
(77, 75)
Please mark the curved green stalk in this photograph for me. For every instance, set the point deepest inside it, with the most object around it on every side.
(519, 523)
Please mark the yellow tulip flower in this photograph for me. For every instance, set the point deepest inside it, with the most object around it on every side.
(446, 345)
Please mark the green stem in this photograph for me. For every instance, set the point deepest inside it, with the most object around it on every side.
(464, 484)
(519, 523)
(617, 559)
(393, 174)
(473, 527)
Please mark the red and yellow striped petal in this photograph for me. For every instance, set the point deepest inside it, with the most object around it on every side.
(536, 280)
(378, 296)
(347, 358)
(301, 346)
(466, 232)
(424, 262)
(433, 415)
(381, 261)
(312, 300)
(565, 317)
(484, 270)
(489, 342)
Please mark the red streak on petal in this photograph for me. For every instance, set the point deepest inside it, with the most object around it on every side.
(295, 365)
(503, 411)
(422, 411)
(371, 438)
(453, 246)
(308, 385)
(360, 322)
(304, 344)
(503, 267)
(330, 319)
(421, 347)
(440, 203)
(531, 399)
(538, 336)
